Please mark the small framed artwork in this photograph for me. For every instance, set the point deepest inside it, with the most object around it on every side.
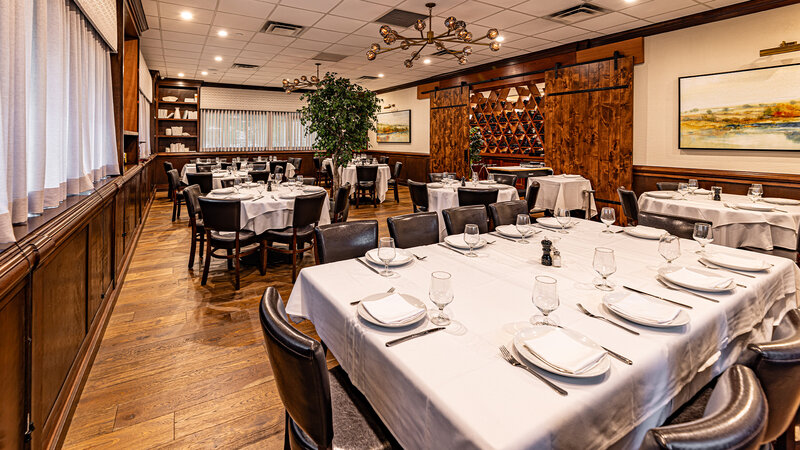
(394, 127)
(752, 109)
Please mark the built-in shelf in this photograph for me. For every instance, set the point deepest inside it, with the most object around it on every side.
(177, 103)
(168, 136)
(180, 89)
(512, 126)
(130, 133)
(179, 120)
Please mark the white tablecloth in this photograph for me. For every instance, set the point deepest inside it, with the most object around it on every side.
(558, 191)
(217, 183)
(733, 227)
(271, 212)
(452, 389)
(381, 185)
(443, 198)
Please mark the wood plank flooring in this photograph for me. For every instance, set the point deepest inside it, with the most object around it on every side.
(183, 365)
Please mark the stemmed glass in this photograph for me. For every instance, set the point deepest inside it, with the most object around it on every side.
(490, 177)
(604, 264)
(472, 237)
(523, 227)
(608, 216)
(562, 217)
(752, 194)
(545, 298)
(702, 234)
(237, 184)
(669, 247)
(692, 185)
(260, 186)
(758, 190)
(299, 180)
(683, 188)
(441, 294)
(386, 253)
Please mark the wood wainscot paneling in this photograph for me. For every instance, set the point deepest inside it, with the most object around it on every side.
(449, 136)
(415, 165)
(731, 181)
(13, 357)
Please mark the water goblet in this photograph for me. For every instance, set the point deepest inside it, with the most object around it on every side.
(545, 298)
(260, 184)
(563, 219)
(669, 247)
(386, 253)
(472, 237)
(523, 227)
(441, 294)
(604, 264)
(299, 180)
(683, 188)
(608, 215)
(752, 194)
(703, 235)
(692, 185)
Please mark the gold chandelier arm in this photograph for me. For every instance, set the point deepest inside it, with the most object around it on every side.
(385, 50)
(416, 54)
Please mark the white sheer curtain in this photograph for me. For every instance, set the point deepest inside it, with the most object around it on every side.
(56, 110)
(144, 127)
(232, 130)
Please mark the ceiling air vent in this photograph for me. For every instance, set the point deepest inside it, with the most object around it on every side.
(244, 66)
(401, 18)
(366, 77)
(332, 57)
(282, 29)
(577, 13)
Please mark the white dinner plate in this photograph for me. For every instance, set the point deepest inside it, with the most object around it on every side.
(661, 194)
(567, 175)
(551, 222)
(781, 201)
(435, 185)
(292, 194)
(486, 182)
(598, 369)
(754, 207)
(644, 232)
(748, 264)
(664, 273)
(362, 312)
(312, 189)
(508, 231)
(249, 185)
(401, 257)
(457, 241)
(611, 298)
(222, 191)
(220, 174)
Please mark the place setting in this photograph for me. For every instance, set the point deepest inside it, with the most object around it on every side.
(561, 221)
(469, 240)
(386, 255)
(519, 233)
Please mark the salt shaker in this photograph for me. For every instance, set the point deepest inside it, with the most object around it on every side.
(556, 258)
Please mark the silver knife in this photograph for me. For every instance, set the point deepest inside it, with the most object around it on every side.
(660, 298)
(367, 265)
(502, 237)
(412, 336)
(451, 248)
(618, 356)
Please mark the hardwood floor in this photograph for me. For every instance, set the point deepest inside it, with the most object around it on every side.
(183, 365)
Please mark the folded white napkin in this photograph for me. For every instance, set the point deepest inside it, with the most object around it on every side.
(686, 277)
(508, 230)
(635, 305)
(754, 207)
(702, 191)
(737, 261)
(222, 191)
(647, 231)
(392, 309)
(560, 349)
(399, 256)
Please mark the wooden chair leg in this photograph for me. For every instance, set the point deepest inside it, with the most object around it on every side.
(396, 195)
(262, 250)
(202, 242)
(358, 195)
(179, 209)
(294, 258)
(191, 252)
(207, 262)
(174, 208)
(375, 197)
(230, 258)
(236, 264)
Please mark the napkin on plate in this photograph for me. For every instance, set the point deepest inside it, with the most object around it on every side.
(560, 349)
(686, 277)
(702, 191)
(399, 256)
(222, 191)
(647, 231)
(736, 261)
(392, 309)
(635, 305)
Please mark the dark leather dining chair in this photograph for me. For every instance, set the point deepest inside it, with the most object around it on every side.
(366, 181)
(205, 180)
(260, 166)
(275, 164)
(203, 168)
(345, 240)
(505, 178)
(414, 230)
(667, 186)
(735, 418)
(456, 218)
(192, 195)
(398, 166)
(259, 175)
(224, 165)
(175, 192)
(437, 177)
(630, 206)
(531, 194)
(167, 167)
(320, 174)
(505, 213)
(383, 160)
(683, 227)
(222, 222)
(477, 196)
(419, 195)
(341, 204)
(322, 408)
(307, 211)
(309, 181)
(298, 165)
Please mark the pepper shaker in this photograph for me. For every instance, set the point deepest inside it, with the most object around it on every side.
(547, 260)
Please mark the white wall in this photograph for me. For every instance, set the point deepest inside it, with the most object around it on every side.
(420, 121)
(715, 47)
(249, 99)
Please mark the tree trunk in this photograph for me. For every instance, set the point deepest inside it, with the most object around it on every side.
(337, 177)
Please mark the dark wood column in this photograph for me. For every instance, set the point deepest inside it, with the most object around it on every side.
(450, 130)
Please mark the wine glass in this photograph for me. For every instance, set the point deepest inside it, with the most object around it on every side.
(472, 237)
(523, 227)
(608, 216)
(683, 188)
(692, 185)
(441, 294)
(703, 235)
(386, 253)
(299, 180)
(260, 184)
(669, 247)
(237, 184)
(562, 217)
(604, 264)
(490, 177)
(545, 298)
(752, 194)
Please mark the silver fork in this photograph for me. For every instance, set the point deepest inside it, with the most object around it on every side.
(359, 301)
(514, 362)
(597, 316)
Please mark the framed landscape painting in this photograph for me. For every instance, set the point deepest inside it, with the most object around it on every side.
(754, 109)
(394, 127)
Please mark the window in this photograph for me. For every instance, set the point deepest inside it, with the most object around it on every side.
(231, 130)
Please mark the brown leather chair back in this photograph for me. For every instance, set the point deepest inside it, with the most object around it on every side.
(341, 204)
(275, 164)
(202, 168)
(475, 196)
(735, 418)
(204, 180)
(505, 178)
(366, 173)
(307, 209)
(192, 195)
(437, 176)
(456, 218)
(413, 230)
(224, 165)
(682, 227)
(220, 215)
(383, 160)
(398, 166)
(301, 374)
(174, 181)
(531, 194)
(419, 195)
(260, 166)
(259, 175)
(317, 163)
(298, 164)
(629, 205)
(167, 166)
(345, 240)
(505, 213)
(667, 186)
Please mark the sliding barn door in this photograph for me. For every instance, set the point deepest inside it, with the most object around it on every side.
(450, 130)
(589, 124)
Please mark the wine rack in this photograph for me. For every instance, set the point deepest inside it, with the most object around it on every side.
(510, 120)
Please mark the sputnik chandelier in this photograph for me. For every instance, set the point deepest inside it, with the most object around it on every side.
(302, 82)
(456, 33)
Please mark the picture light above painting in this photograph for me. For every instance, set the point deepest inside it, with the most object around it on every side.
(394, 127)
(752, 109)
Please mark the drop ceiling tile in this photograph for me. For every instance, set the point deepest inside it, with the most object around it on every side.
(348, 50)
(233, 34)
(605, 21)
(150, 7)
(625, 26)
(541, 9)
(306, 44)
(153, 22)
(238, 22)
(180, 26)
(361, 10)
(173, 12)
(614, 5)
(145, 42)
(152, 33)
(225, 42)
(181, 37)
(220, 51)
(255, 61)
(341, 24)
(204, 4)
(419, 6)
(295, 16)
(288, 59)
(560, 34)
(357, 41)
(679, 13)
(506, 3)
(721, 3)
(524, 43)
(315, 34)
(251, 8)
(183, 46)
(534, 27)
(252, 54)
(656, 7)
(300, 53)
(471, 11)
(580, 37)
(264, 48)
(175, 60)
(314, 5)
(503, 19)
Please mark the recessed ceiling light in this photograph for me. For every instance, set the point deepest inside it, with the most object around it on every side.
(426, 60)
(186, 15)
(380, 75)
(204, 73)
(222, 33)
(630, 1)
(499, 39)
(180, 74)
(218, 58)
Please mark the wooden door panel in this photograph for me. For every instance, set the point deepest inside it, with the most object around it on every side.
(449, 131)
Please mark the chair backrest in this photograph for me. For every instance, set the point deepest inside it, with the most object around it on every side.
(419, 194)
(506, 178)
(220, 215)
(735, 418)
(505, 213)
(167, 166)
(317, 163)
(383, 160)
(531, 194)
(298, 163)
(778, 370)
(300, 372)
(436, 177)
(629, 204)
(667, 186)
(274, 164)
(278, 173)
(224, 165)
(307, 209)
(192, 195)
(345, 240)
(202, 168)
(341, 204)
(398, 166)
(683, 227)
(174, 181)
(367, 173)
(456, 218)
(204, 180)
(259, 175)
(309, 181)
(476, 196)
(413, 230)
(260, 166)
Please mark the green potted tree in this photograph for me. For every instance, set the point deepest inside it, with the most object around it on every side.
(340, 114)
(476, 144)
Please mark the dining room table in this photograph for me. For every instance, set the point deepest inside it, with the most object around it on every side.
(349, 175)
(737, 221)
(565, 191)
(219, 175)
(453, 389)
(444, 195)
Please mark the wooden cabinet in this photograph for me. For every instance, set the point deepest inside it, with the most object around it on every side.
(178, 113)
